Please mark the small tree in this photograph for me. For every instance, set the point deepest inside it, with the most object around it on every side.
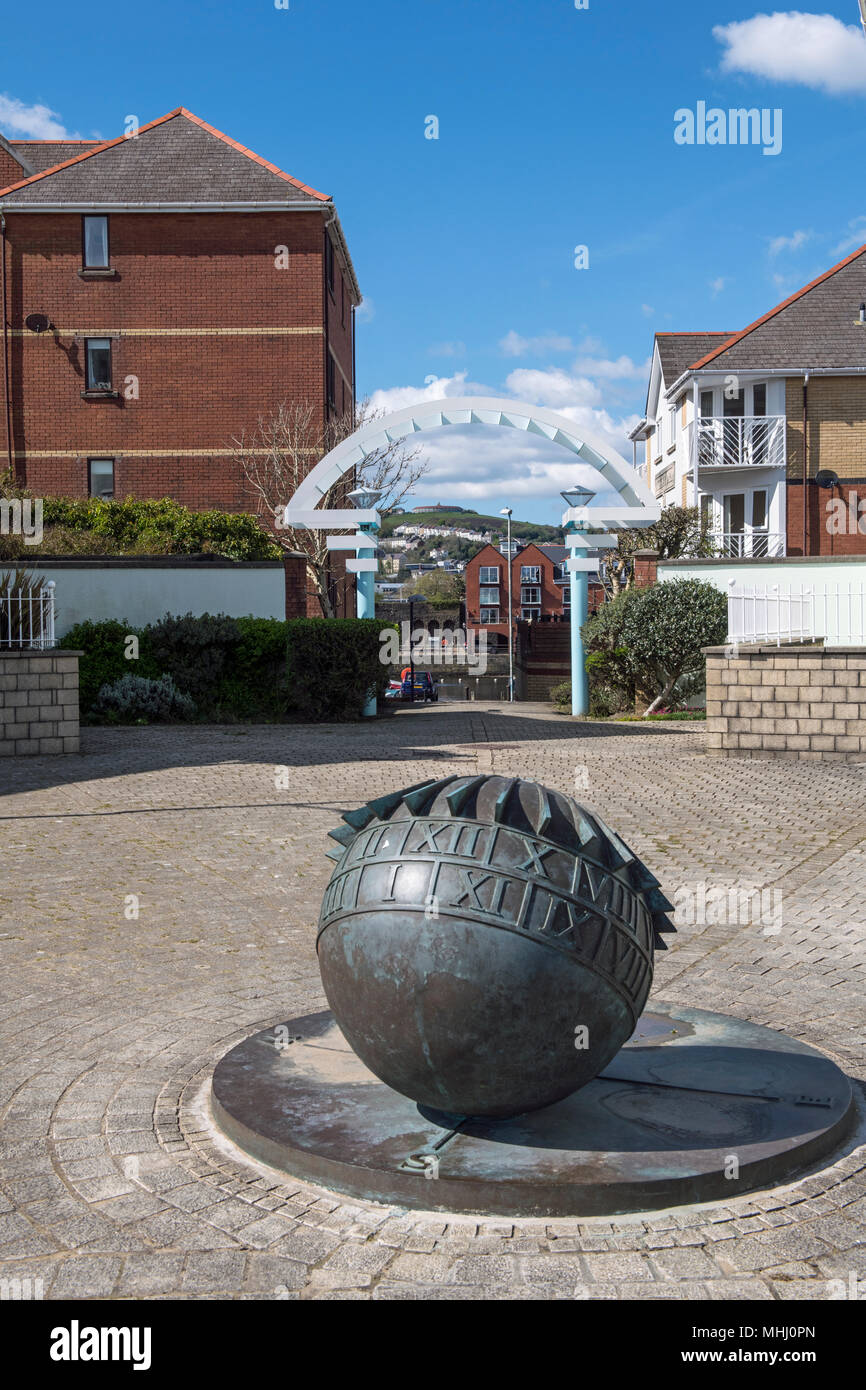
(665, 628)
(680, 533)
(608, 664)
(284, 447)
(442, 587)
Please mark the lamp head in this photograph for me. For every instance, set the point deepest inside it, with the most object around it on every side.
(364, 497)
(577, 496)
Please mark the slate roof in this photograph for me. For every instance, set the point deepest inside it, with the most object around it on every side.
(176, 159)
(557, 553)
(816, 327)
(44, 154)
(677, 351)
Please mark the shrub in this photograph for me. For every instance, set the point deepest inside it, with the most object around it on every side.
(333, 664)
(146, 526)
(255, 684)
(136, 697)
(664, 631)
(103, 646)
(196, 651)
(561, 694)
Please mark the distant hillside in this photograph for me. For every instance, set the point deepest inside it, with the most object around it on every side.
(474, 521)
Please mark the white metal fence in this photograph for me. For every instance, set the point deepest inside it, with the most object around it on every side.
(836, 613)
(751, 441)
(27, 618)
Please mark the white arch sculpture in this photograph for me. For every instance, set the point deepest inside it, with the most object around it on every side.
(619, 476)
(635, 507)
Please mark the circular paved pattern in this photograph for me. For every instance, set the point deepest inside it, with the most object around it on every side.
(695, 1106)
(158, 905)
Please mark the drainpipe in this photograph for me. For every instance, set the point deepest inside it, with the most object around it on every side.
(8, 407)
(805, 462)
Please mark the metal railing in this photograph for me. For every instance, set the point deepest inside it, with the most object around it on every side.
(751, 545)
(749, 441)
(27, 618)
(835, 613)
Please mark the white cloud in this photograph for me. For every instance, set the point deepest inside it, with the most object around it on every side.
(513, 345)
(365, 311)
(789, 243)
(29, 122)
(555, 388)
(718, 284)
(812, 50)
(435, 388)
(619, 369)
(647, 310)
(855, 236)
(457, 349)
(474, 465)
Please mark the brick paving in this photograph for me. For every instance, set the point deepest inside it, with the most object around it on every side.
(115, 1184)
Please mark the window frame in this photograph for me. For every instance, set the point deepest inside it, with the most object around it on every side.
(530, 574)
(89, 386)
(485, 618)
(101, 459)
(85, 217)
(530, 602)
(530, 613)
(488, 589)
(331, 381)
(489, 569)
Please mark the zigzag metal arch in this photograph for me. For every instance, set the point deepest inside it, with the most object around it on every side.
(554, 817)
(617, 475)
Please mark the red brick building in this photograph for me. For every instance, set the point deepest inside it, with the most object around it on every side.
(161, 291)
(539, 588)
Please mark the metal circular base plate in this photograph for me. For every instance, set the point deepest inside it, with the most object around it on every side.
(696, 1107)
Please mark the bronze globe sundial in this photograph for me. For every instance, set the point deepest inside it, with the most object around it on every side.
(486, 946)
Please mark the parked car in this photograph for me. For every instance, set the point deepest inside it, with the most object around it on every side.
(426, 689)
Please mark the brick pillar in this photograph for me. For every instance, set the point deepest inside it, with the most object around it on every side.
(295, 565)
(645, 568)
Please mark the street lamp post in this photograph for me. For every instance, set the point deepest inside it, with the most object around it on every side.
(506, 512)
(414, 598)
(578, 576)
(364, 498)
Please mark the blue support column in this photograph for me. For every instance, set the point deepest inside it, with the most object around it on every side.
(365, 595)
(579, 586)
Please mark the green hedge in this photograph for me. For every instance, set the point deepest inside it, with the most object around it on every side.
(237, 668)
(233, 668)
(334, 663)
(161, 526)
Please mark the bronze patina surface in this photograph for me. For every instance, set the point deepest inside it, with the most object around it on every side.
(486, 943)
(696, 1107)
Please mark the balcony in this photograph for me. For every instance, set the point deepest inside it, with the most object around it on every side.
(749, 441)
(748, 545)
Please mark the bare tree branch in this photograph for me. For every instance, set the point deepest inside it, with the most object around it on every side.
(286, 445)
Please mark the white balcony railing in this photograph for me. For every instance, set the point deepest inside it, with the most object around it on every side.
(751, 441)
(748, 545)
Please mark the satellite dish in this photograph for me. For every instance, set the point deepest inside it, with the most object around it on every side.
(825, 477)
(37, 323)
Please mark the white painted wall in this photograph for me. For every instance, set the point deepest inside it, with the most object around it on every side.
(141, 594)
(837, 621)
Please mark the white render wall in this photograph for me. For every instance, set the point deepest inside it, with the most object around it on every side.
(144, 593)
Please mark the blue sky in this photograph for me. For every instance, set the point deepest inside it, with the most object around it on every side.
(556, 129)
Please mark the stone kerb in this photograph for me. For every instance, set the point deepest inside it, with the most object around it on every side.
(39, 702)
(794, 701)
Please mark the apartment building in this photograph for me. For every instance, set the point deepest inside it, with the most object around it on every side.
(161, 291)
(539, 588)
(764, 429)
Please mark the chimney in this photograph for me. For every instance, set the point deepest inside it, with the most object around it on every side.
(13, 167)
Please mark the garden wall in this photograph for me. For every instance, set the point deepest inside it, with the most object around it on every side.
(38, 702)
(142, 590)
(803, 702)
